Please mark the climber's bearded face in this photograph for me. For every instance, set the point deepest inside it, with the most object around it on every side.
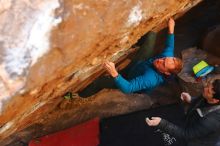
(164, 65)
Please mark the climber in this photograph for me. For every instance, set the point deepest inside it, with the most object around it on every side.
(148, 74)
(202, 125)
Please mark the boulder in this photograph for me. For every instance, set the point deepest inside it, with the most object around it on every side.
(191, 57)
(211, 42)
(54, 46)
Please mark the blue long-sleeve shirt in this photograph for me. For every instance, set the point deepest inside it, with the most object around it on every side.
(144, 77)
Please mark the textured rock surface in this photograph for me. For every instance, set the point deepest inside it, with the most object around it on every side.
(212, 41)
(50, 47)
(191, 57)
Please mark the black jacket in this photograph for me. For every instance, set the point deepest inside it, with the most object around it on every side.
(202, 126)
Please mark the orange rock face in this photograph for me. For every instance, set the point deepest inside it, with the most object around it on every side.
(50, 47)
